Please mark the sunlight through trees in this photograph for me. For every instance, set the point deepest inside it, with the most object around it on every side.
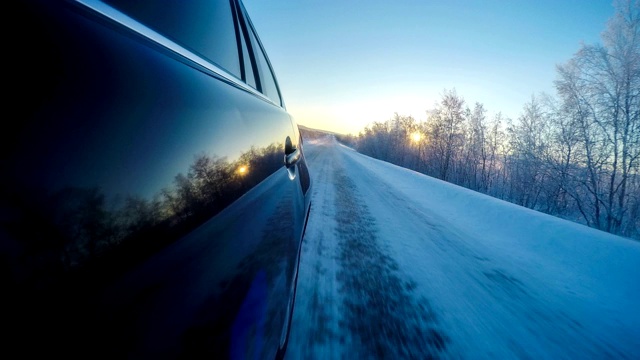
(574, 155)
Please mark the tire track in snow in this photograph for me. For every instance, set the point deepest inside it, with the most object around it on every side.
(380, 308)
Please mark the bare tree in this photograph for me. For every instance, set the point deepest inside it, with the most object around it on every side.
(529, 141)
(475, 159)
(600, 88)
(445, 132)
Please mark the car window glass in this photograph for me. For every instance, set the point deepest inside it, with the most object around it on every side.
(269, 87)
(250, 76)
(203, 26)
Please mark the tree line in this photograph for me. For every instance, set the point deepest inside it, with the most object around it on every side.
(91, 234)
(574, 154)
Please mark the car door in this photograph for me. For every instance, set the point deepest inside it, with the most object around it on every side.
(155, 189)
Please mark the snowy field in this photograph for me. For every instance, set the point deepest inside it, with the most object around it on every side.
(396, 264)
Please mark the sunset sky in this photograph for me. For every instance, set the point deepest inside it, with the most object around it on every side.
(342, 64)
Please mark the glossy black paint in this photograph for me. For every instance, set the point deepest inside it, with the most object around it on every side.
(145, 207)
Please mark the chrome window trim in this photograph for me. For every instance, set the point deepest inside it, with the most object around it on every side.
(139, 28)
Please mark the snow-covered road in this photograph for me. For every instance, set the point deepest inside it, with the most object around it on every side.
(396, 264)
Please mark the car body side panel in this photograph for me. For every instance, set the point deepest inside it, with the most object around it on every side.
(144, 202)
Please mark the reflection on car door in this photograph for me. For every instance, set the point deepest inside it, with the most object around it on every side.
(146, 204)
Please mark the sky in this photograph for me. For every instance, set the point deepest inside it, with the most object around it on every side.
(343, 64)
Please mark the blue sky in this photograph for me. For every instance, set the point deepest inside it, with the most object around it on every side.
(342, 65)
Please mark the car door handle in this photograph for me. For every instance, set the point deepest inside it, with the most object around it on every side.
(292, 158)
(291, 153)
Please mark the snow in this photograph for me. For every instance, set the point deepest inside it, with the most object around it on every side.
(390, 253)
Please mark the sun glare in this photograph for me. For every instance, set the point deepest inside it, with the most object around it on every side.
(242, 170)
(416, 136)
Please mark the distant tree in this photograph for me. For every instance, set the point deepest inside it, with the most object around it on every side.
(495, 139)
(529, 142)
(445, 133)
(474, 164)
(561, 157)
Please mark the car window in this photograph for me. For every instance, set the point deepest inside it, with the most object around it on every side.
(204, 27)
(248, 71)
(250, 76)
(267, 80)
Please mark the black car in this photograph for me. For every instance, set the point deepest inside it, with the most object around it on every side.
(154, 191)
